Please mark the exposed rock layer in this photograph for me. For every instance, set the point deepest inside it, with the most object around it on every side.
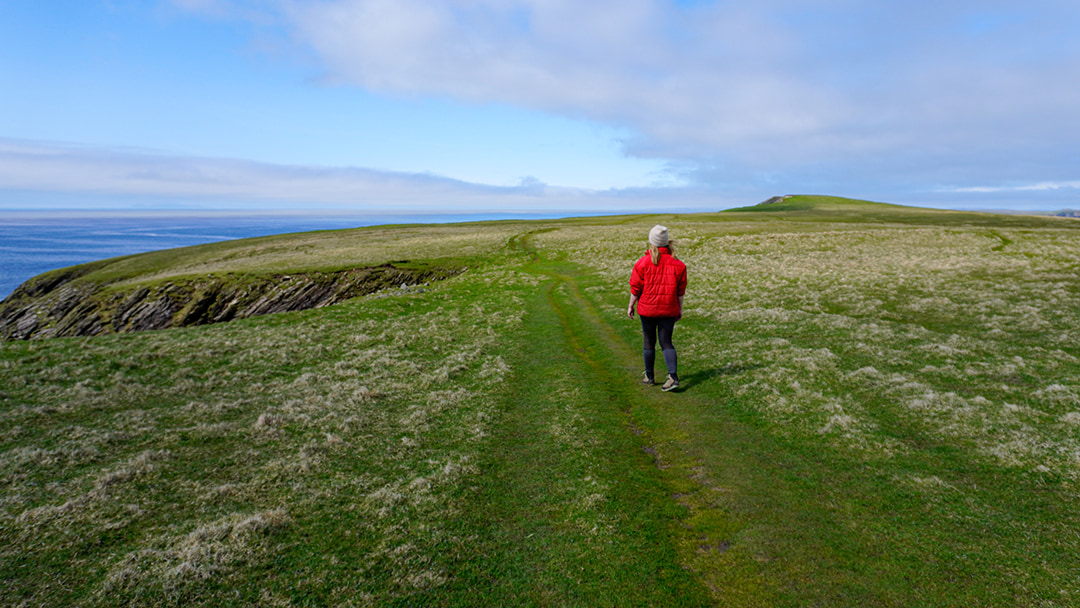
(61, 304)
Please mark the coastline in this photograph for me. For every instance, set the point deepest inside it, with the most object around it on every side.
(36, 241)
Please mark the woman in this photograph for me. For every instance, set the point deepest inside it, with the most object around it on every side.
(657, 285)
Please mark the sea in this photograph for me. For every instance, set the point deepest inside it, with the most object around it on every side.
(33, 242)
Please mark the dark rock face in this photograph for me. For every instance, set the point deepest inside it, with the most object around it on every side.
(58, 304)
(775, 199)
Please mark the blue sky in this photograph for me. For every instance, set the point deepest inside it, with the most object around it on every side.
(536, 105)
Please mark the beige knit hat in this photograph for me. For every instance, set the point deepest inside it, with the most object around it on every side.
(658, 236)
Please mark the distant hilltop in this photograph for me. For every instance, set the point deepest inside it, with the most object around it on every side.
(805, 202)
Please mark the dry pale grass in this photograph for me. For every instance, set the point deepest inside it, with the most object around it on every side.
(256, 426)
(967, 333)
(173, 467)
(358, 248)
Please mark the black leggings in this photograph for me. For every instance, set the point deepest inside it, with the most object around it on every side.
(665, 326)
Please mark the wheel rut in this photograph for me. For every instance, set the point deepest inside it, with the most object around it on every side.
(613, 364)
(570, 508)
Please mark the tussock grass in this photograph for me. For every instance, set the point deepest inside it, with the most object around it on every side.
(946, 322)
(881, 406)
(262, 434)
(913, 364)
(322, 251)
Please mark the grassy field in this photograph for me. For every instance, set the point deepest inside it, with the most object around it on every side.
(880, 407)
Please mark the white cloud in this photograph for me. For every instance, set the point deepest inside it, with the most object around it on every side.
(1039, 187)
(686, 81)
(749, 93)
(760, 83)
(85, 171)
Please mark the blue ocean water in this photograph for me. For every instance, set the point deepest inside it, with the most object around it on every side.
(35, 242)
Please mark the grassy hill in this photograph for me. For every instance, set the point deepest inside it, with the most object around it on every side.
(813, 208)
(825, 204)
(880, 407)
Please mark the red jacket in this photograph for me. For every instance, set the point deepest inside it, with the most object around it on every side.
(658, 287)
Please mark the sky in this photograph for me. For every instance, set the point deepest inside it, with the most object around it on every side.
(536, 105)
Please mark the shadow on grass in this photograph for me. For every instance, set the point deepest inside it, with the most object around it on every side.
(687, 381)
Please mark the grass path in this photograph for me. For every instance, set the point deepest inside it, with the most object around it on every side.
(572, 511)
(616, 510)
(664, 426)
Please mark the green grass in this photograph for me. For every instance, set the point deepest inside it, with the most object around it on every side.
(819, 209)
(880, 407)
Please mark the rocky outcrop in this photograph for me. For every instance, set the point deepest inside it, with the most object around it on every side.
(61, 303)
(775, 199)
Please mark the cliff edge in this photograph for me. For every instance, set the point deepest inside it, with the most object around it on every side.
(63, 303)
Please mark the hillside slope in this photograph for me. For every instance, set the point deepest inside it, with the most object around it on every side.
(815, 208)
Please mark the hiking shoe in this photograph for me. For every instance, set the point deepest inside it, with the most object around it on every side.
(670, 385)
(646, 379)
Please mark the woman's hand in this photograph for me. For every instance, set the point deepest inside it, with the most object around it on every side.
(630, 308)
